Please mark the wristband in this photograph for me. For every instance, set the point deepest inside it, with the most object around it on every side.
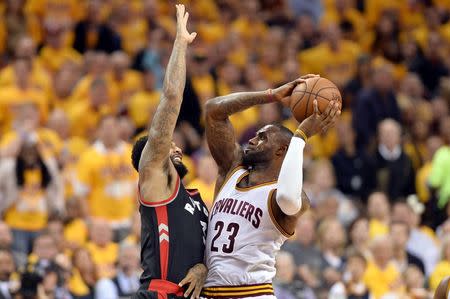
(301, 134)
(271, 96)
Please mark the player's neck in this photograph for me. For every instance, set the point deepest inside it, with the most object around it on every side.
(259, 174)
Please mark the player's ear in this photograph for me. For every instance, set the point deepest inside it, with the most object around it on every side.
(282, 150)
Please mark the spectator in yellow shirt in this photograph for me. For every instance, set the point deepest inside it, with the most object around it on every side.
(442, 269)
(101, 247)
(84, 274)
(107, 179)
(64, 83)
(205, 181)
(382, 276)
(379, 214)
(127, 81)
(142, 104)
(55, 53)
(85, 114)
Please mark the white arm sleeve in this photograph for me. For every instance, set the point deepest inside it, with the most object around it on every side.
(290, 180)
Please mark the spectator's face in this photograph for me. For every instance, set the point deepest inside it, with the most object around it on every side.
(22, 68)
(83, 260)
(412, 86)
(50, 283)
(333, 34)
(126, 128)
(382, 251)
(63, 83)
(270, 55)
(45, 248)
(59, 123)
(378, 206)
(109, 133)
(399, 235)
(360, 232)
(440, 108)
(230, 74)
(328, 206)
(334, 236)
(323, 176)
(389, 135)
(101, 233)
(129, 260)
(433, 144)
(5, 236)
(356, 266)
(25, 48)
(285, 266)
(420, 130)
(305, 230)
(7, 265)
(56, 230)
(346, 133)
(120, 63)
(99, 94)
(414, 278)
(383, 78)
(401, 212)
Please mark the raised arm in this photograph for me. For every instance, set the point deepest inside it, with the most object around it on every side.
(219, 131)
(156, 151)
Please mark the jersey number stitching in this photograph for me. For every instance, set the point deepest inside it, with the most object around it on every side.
(233, 229)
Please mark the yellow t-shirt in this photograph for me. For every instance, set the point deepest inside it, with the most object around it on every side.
(243, 120)
(206, 191)
(11, 98)
(211, 32)
(48, 138)
(104, 258)
(379, 281)
(351, 14)
(77, 286)
(111, 182)
(377, 228)
(53, 59)
(29, 212)
(83, 118)
(81, 90)
(204, 87)
(76, 231)
(338, 66)
(131, 83)
(441, 270)
(40, 79)
(134, 35)
(141, 107)
(422, 188)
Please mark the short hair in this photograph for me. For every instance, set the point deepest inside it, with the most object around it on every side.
(285, 132)
(137, 151)
(354, 253)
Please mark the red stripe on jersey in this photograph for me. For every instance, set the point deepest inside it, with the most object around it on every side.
(164, 287)
(163, 229)
(161, 202)
(192, 192)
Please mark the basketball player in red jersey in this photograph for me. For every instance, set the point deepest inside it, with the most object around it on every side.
(174, 219)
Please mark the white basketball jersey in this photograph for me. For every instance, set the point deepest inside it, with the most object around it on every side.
(242, 238)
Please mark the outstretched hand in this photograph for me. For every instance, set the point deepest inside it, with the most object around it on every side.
(182, 18)
(283, 92)
(196, 279)
(321, 122)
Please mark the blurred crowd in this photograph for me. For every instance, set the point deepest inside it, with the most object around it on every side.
(80, 81)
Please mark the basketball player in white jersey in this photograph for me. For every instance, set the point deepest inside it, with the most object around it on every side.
(258, 196)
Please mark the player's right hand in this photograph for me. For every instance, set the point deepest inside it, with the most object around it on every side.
(196, 279)
(182, 18)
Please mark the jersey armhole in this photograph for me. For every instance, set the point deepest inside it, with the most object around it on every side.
(160, 202)
(272, 216)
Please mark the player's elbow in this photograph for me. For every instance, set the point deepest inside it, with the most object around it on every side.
(212, 109)
(289, 203)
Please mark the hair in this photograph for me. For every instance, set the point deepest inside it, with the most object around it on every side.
(354, 253)
(284, 131)
(137, 151)
(46, 177)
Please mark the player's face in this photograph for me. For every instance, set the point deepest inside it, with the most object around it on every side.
(176, 156)
(260, 149)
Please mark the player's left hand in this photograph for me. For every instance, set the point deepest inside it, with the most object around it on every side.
(196, 279)
(320, 122)
(282, 93)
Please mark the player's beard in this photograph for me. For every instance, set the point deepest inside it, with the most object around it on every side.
(251, 159)
(180, 168)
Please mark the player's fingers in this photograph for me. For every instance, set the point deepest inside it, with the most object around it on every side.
(326, 113)
(186, 18)
(197, 291)
(189, 290)
(316, 107)
(299, 81)
(185, 280)
(193, 35)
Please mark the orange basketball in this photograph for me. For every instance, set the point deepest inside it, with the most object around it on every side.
(301, 100)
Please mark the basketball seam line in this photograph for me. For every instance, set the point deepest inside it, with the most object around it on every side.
(319, 96)
(304, 91)
(307, 103)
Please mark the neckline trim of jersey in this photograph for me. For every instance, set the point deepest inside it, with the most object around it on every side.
(244, 189)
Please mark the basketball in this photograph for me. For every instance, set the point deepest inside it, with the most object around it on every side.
(301, 100)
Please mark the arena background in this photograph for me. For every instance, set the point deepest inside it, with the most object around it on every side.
(80, 80)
